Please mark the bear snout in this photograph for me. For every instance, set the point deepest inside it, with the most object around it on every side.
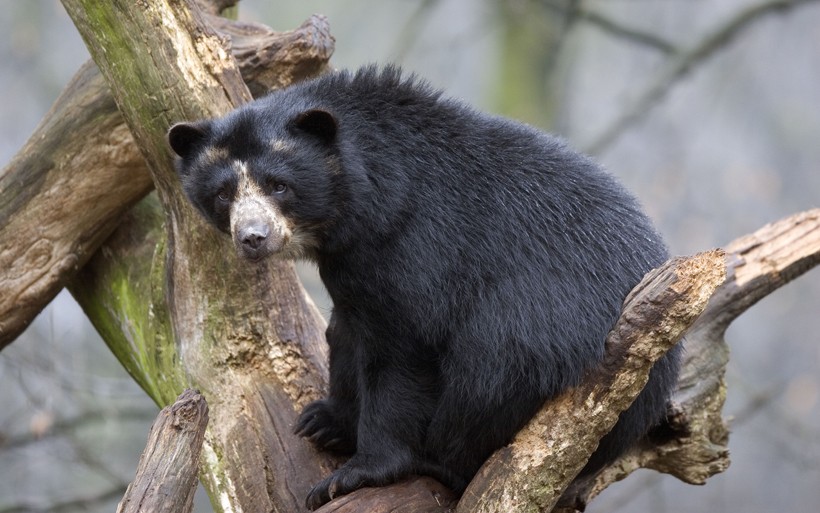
(253, 236)
(256, 240)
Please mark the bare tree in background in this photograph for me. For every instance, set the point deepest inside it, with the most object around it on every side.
(256, 352)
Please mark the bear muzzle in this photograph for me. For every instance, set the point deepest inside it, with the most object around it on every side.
(256, 240)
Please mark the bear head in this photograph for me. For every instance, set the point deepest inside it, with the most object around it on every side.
(265, 179)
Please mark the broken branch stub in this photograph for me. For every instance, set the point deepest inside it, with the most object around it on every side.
(166, 477)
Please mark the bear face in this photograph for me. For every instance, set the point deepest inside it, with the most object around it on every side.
(266, 188)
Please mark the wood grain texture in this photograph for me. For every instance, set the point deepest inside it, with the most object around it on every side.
(166, 477)
(532, 473)
(695, 445)
(179, 309)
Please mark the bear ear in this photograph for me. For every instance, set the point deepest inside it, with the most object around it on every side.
(317, 122)
(187, 138)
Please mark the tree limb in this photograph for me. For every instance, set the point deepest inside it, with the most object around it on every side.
(83, 503)
(692, 447)
(167, 471)
(168, 292)
(695, 447)
(581, 12)
(257, 349)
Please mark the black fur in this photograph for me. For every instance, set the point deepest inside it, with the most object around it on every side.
(475, 264)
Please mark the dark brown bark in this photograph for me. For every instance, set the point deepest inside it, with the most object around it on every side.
(166, 477)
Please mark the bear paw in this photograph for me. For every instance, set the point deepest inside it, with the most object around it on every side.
(320, 424)
(356, 473)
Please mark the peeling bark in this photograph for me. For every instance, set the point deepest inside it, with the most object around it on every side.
(695, 446)
(532, 473)
(167, 290)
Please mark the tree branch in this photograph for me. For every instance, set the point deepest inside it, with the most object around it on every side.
(84, 503)
(695, 446)
(597, 19)
(66, 427)
(168, 292)
(692, 446)
(167, 471)
(258, 350)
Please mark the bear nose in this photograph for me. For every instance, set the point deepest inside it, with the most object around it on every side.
(254, 235)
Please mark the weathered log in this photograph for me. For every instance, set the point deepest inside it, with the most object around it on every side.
(256, 347)
(419, 495)
(166, 477)
(68, 187)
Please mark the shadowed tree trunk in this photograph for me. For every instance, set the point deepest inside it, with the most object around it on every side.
(179, 309)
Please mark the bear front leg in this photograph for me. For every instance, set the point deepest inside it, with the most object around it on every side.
(397, 398)
(330, 424)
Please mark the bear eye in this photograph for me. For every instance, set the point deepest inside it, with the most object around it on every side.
(223, 196)
(279, 188)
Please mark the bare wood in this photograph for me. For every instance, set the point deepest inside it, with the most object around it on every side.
(251, 356)
(61, 196)
(694, 445)
(69, 186)
(419, 495)
(166, 477)
(788, 248)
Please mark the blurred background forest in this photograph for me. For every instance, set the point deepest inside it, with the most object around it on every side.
(708, 110)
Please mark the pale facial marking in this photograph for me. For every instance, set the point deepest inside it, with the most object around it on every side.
(251, 204)
(213, 154)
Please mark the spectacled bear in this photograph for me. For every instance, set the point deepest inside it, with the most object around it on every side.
(475, 264)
